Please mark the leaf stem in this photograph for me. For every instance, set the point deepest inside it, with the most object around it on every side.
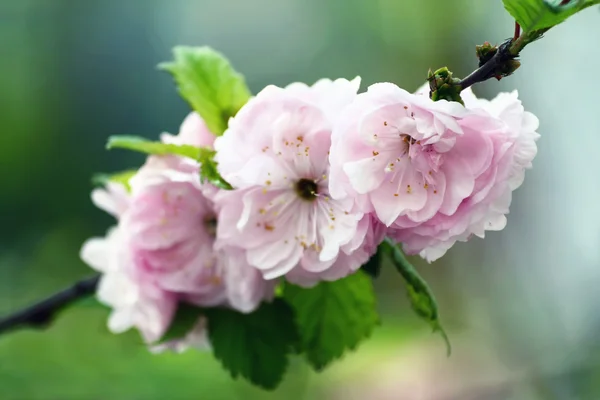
(40, 314)
(422, 300)
(506, 53)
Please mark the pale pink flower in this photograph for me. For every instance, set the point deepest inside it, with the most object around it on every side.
(135, 301)
(434, 172)
(172, 228)
(275, 153)
(193, 131)
(113, 199)
(369, 234)
(521, 128)
(162, 251)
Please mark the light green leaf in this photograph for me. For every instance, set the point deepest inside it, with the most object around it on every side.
(333, 317)
(256, 345)
(208, 82)
(119, 177)
(421, 298)
(535, 15)
(185, 318)
(91, 302)
(209, 172)
(142, 145)
(204, 155)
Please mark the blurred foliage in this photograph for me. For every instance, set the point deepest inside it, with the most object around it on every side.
(80, 72)
(74, 73)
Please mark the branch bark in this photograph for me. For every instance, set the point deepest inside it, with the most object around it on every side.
(499, 62)
(40, 314)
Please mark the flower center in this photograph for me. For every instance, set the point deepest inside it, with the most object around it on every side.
(307, 189)
(210, 224)
(407, 144)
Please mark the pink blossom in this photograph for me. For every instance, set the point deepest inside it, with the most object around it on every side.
(193, 131)
(163, 249)
(434, 172)
(172, 224)
(170, 227)
(369, 234)
(275, 153)
(114, 199)
(135, 302)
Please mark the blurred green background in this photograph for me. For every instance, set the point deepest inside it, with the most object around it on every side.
(521, 307)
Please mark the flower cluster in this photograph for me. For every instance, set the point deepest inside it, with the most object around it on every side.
(321, 174)
(163, 250)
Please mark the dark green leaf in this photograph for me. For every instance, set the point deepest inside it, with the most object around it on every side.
(209, 83)
(333, 316)
(535, 15)
(185, 318)
(421, 298)
(119, 177)
(257, 345)
(373, 266)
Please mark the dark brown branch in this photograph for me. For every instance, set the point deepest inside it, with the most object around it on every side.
(503, 62)
(492, 67)
(40, 314)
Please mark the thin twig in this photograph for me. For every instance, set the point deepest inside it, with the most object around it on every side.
(507, 51)
(488, 70)
(40, 314)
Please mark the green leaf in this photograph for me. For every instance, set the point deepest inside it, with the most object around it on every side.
(256, 345)
(204, 155)
(535, 15)
(421, 298)
(185, 318)
(373, 266)
(142, 145)
(208, 82)
(333, 316)
(209, 172)
(119, 177)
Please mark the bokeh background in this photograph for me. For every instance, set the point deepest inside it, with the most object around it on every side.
(521, 307)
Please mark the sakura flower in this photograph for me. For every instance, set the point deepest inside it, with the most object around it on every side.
(193, 131)
(521, 128)
(114, 199)
(172, 224)
(170, 227)
(434, 172)
(136, 302)
(369, 234)
(162, 251)
(275, 153)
